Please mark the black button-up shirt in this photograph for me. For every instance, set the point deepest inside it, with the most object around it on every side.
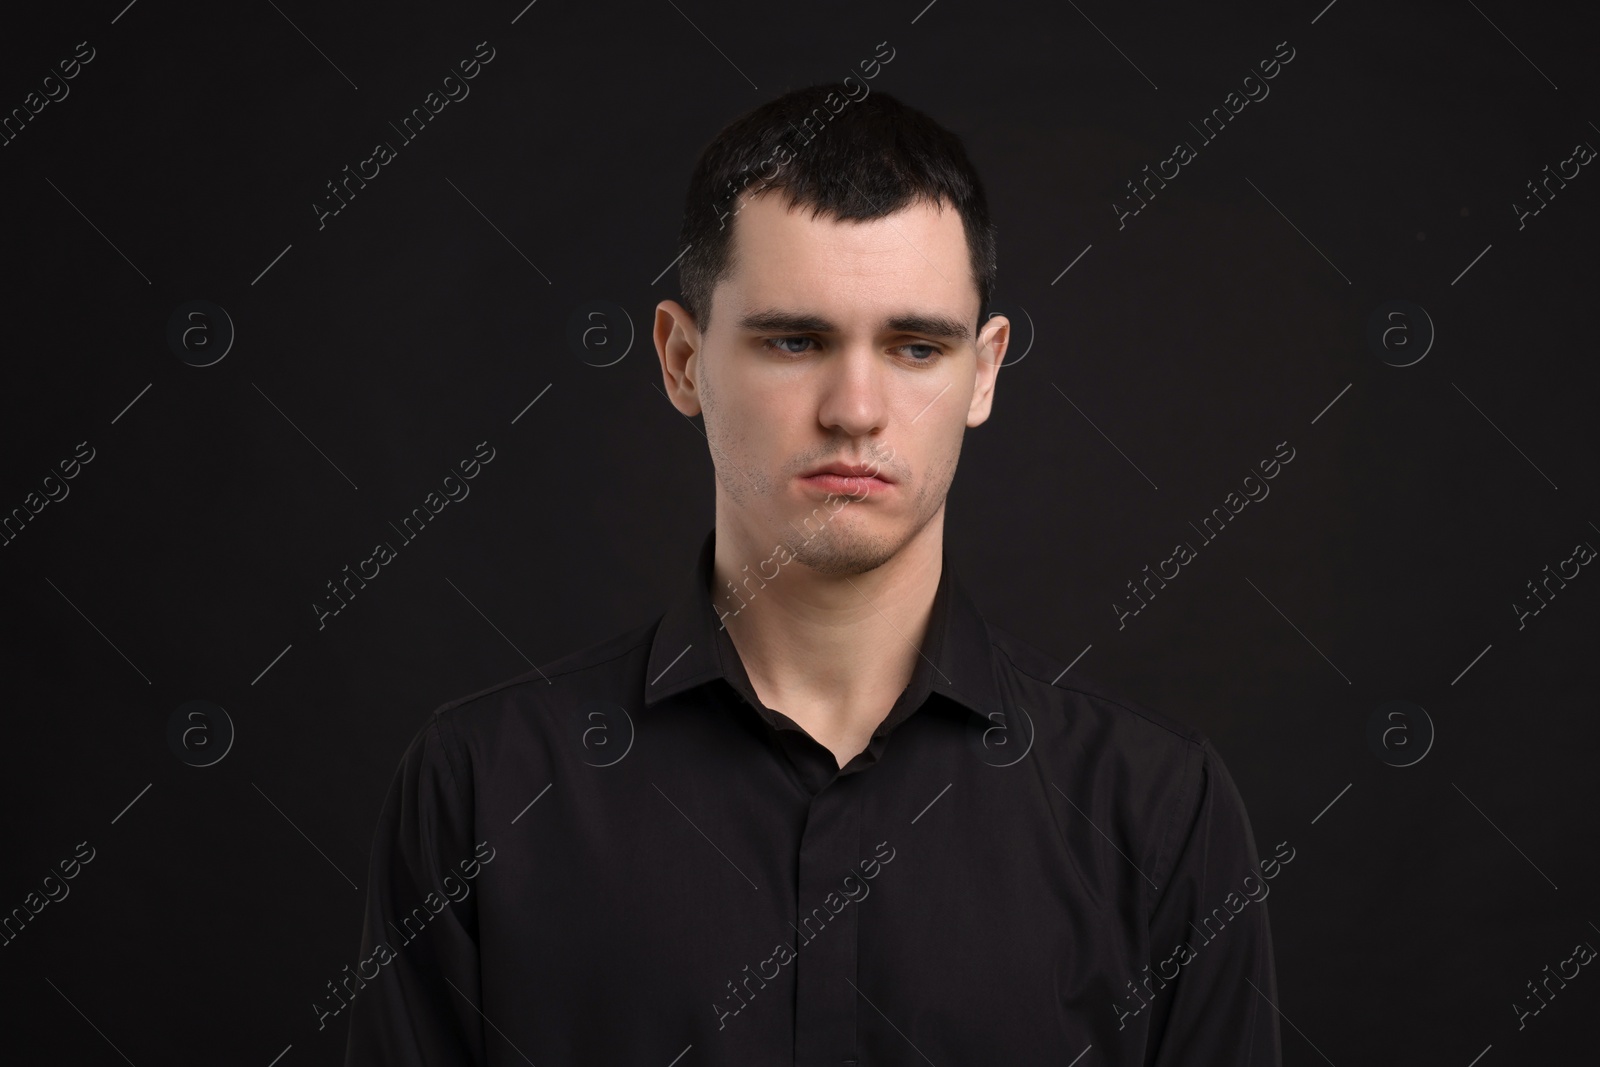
(626, 859)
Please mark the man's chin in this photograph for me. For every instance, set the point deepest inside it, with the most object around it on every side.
(838, 552)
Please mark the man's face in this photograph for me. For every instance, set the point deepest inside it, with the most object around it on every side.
(847, 342)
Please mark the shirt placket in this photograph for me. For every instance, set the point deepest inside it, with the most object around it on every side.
(826, 949)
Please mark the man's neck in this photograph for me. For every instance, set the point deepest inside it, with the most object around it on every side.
(832, 652)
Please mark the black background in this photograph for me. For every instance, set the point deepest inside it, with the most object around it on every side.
(378, 351)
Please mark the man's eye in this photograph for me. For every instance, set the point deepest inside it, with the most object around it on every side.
(919, 353)
(777, 344)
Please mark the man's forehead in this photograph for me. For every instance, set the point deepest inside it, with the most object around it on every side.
(898, 276)
(920, 222)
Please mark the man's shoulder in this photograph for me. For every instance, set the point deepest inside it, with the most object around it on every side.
(1091, 707)
(607, 670)
(1117, 760)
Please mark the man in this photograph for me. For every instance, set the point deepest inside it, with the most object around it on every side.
(819, 812)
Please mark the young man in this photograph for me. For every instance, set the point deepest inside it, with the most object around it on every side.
(819, 812)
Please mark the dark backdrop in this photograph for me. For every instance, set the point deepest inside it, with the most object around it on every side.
(1159, 358)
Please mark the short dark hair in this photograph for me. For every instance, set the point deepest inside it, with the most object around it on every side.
(864, 158)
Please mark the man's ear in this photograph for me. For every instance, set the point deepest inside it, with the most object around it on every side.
(992, 342)
(677, 343)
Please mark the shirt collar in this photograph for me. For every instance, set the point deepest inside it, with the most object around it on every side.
(957, 657)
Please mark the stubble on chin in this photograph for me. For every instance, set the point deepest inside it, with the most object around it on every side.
(842, 552)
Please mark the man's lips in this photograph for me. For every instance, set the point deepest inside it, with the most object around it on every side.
(850, 470)
(840, 479)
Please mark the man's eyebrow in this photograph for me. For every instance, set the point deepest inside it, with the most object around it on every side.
(773, 320)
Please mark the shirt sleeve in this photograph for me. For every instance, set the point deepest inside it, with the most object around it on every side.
(415, 993)
(1212, 978)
